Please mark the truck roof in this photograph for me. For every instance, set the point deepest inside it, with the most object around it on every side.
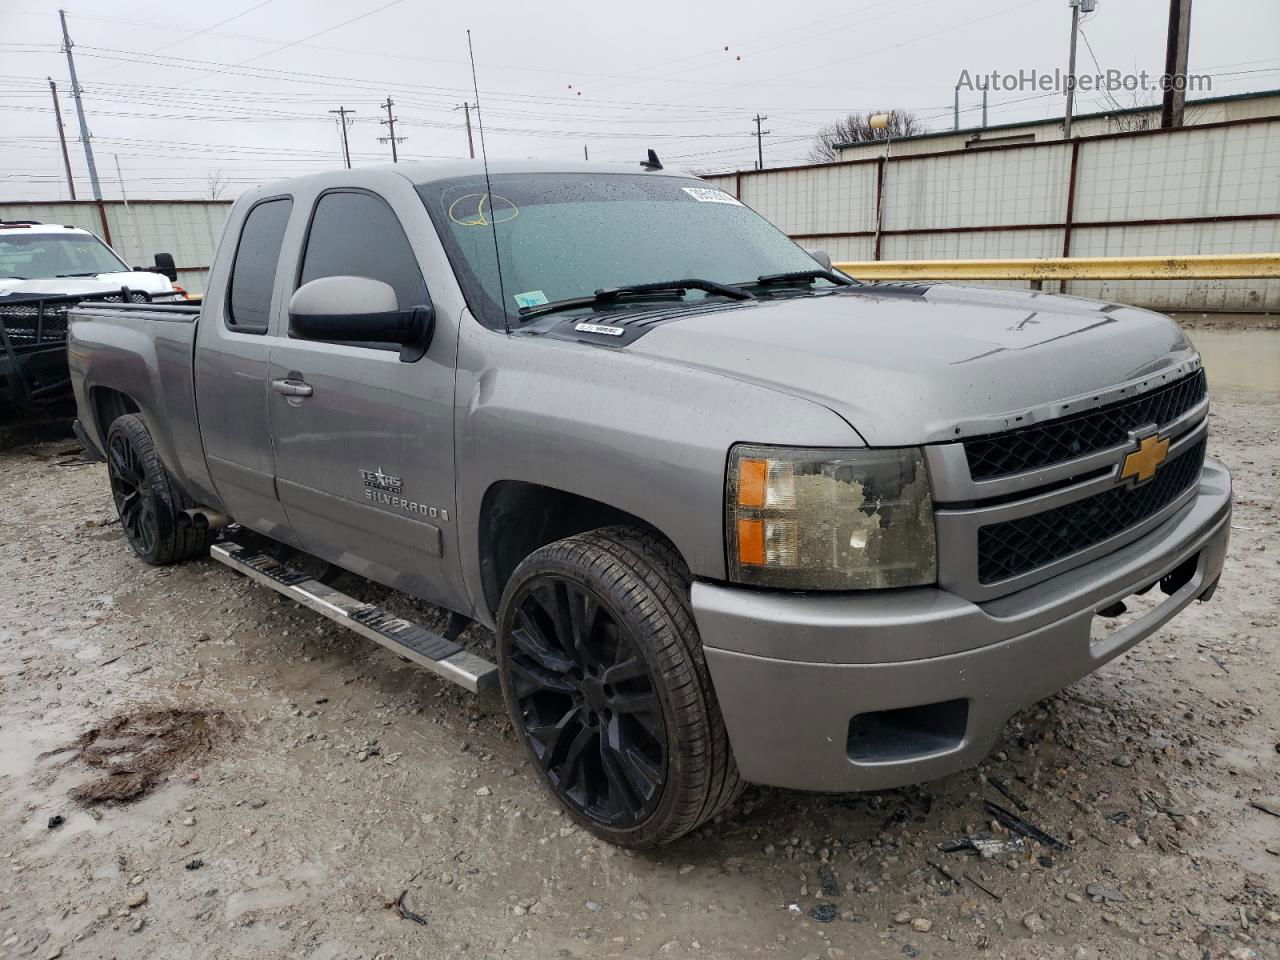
(428, 171)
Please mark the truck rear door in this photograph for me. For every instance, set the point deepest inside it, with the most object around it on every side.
(364, 441)
(232, 353)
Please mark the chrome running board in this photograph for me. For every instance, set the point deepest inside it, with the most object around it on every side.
(441, 656)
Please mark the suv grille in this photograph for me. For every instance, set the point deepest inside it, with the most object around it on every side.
(1046, 444)
(1017, 546)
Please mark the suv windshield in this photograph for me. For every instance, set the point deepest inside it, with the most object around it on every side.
(37, 256)
(568, 235)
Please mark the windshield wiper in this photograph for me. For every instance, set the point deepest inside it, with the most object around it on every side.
(91, 273)
(806, 276)
(662, 290)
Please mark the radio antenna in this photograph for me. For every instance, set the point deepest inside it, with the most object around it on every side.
(488, 189)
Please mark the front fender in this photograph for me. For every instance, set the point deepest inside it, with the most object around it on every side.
(644, 436)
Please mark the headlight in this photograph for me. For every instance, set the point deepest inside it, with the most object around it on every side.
(829, 519)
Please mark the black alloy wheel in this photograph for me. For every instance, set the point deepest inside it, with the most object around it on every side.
(606, 685)
(148, 498)
(587, 702)
(133, 497)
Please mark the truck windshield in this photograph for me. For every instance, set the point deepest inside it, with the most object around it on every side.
(562, 236)
(37, 256)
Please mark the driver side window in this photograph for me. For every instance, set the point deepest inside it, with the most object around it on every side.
(357, 235)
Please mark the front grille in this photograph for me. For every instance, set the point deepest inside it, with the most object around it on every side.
(1019, 546)
(33, 323)
(1031, 448)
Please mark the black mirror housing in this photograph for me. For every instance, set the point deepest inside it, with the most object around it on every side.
(411, 329)
(166, 267)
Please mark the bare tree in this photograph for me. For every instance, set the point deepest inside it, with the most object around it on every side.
(217, 184)
(856, 128)
(1142, 113)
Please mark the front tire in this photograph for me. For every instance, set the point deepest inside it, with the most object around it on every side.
(603, 675)
(148, 499)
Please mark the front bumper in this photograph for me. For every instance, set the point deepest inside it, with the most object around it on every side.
(869, 691)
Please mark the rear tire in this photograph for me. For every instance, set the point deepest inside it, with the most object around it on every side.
(603, 675)
(148, 498)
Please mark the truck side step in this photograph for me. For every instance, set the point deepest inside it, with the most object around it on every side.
(430, 650)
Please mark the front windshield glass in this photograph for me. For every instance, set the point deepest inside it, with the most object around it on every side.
(568, 235)
(37, 256)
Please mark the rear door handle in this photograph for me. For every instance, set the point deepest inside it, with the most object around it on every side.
(291, 388)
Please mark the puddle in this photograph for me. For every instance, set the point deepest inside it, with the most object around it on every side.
(1240, 360)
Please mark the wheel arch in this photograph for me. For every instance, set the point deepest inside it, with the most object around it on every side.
(517, 517)
(107, 404)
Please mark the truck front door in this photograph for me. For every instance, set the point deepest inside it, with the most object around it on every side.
(364, 459)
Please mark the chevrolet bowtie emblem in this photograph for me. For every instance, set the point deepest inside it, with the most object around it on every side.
(1143, 462)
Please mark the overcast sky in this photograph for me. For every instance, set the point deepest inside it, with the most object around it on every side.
(183, 91)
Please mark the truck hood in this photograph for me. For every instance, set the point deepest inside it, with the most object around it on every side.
(100, 283)
(904, 367)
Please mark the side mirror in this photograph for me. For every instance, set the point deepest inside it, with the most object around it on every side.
(166, 267)
(822, 257)
(359, 310)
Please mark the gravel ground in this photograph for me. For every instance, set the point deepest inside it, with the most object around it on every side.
(330, 776)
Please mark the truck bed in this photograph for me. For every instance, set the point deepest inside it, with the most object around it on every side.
(144, 352)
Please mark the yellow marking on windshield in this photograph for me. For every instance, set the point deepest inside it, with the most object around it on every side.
(469, 210)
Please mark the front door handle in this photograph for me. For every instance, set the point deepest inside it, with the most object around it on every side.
(291, 388)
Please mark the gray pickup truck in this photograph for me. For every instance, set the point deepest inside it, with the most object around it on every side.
(731, 516)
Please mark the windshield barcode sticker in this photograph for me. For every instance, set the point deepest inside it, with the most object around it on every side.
(600, 328)
(711, 195)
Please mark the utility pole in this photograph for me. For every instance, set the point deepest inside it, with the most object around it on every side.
(391, 132)
(1071, 68)
(760, 141)
(984, 105)
(342, 113)
(62, 138)
(75, 93)
(471, 145)
(955, 122)
(585, 155)
(1175, 64)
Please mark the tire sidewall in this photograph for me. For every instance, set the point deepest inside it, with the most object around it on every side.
(539, 565)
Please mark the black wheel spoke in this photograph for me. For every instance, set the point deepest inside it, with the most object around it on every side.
(622, 796)
(586, 701)
(572, 768)
(584, 613)
(539, 678)
(633, 668)
(550, 735)
(528, 637)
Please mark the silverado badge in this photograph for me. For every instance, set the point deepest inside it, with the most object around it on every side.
(1142, 463)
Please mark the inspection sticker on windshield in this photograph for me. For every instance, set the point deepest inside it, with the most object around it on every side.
(600, 328)
(711, 195)
(534, 298)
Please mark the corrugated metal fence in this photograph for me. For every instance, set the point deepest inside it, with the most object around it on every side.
(188, 229)
(1213, 188)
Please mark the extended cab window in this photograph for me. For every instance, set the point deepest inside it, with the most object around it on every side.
(358, 235)
(253, 275)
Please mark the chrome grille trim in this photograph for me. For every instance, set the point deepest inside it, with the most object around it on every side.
(957, 528)
(949, 466)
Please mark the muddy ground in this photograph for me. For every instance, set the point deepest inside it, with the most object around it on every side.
(337, 776)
